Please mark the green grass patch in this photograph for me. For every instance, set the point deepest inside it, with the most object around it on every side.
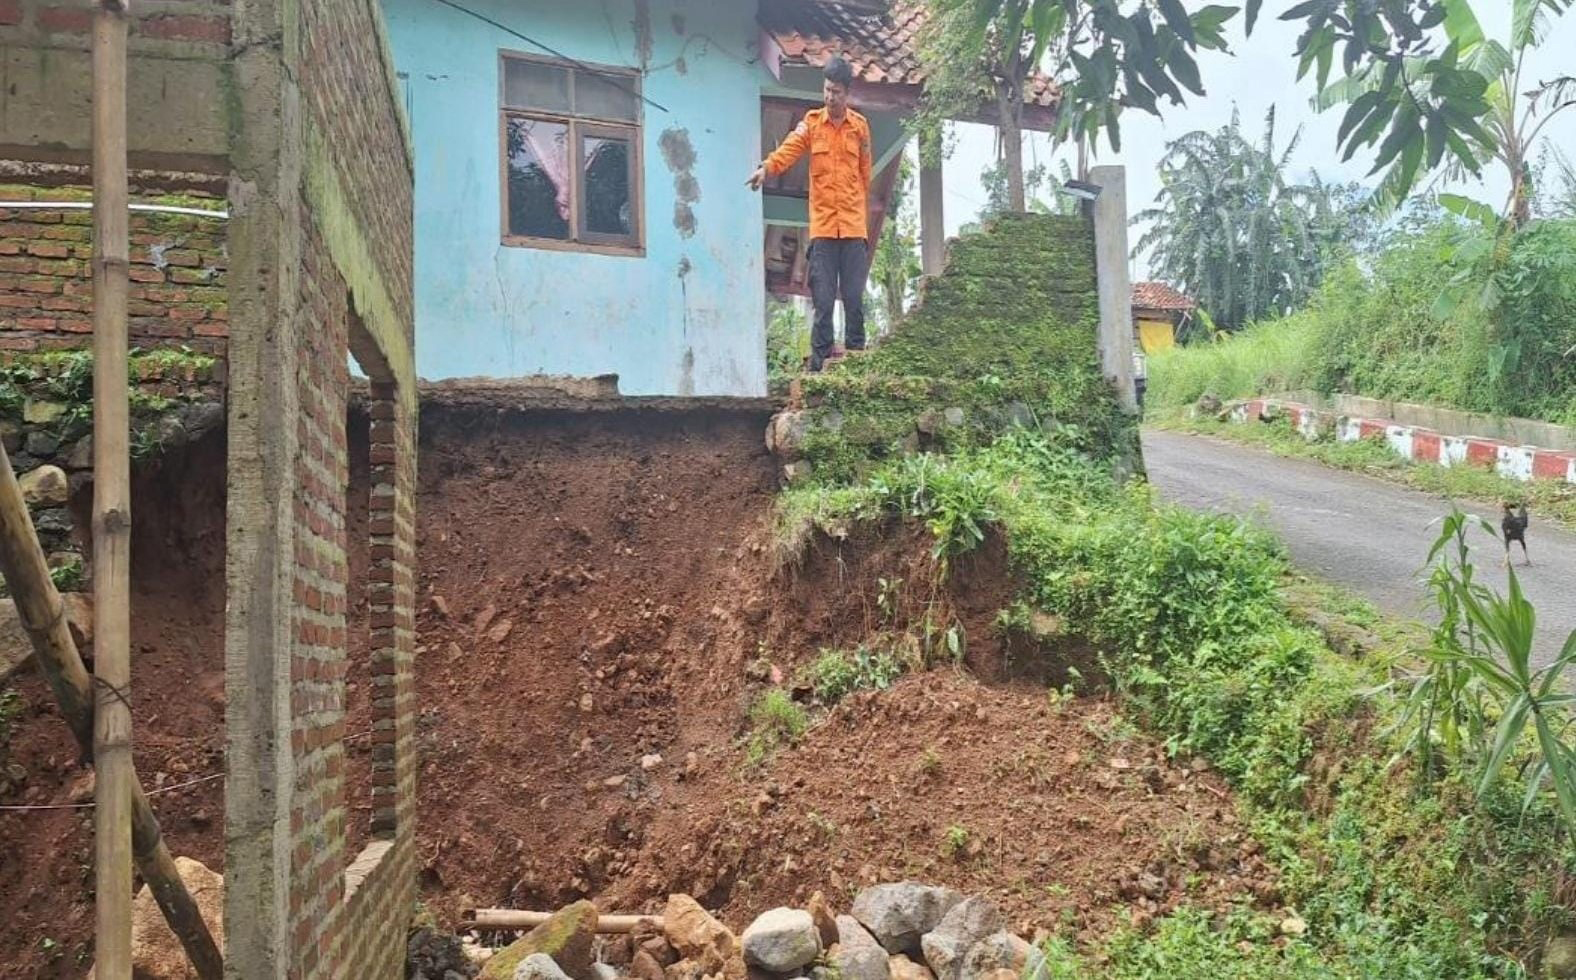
(775, 721)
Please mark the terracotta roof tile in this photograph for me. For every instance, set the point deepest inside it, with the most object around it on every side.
(881, 48)
(1159, 296)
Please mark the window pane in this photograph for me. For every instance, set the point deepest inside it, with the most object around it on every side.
(608, 205)
(532, 85)
(538, 158)
(606, 96)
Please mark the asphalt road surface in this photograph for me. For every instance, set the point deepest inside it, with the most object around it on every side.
(1368, 535)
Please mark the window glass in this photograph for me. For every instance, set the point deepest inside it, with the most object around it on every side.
(533, 85)
(538, 178)
(606, 189)
(606, 97)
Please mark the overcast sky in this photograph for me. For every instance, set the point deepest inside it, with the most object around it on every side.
(1259, 74)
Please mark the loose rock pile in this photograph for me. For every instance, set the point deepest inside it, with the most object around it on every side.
(900, 931)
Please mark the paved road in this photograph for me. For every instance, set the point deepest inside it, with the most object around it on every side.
(1366, 534)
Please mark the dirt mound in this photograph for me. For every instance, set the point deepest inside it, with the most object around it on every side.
(177, 637)
(599, 590)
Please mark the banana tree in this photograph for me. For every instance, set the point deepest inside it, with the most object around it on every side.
(1480, 73)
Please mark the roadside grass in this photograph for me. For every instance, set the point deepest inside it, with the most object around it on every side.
(1551, 500)
(1209, 642)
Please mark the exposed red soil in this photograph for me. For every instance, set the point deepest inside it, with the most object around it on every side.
(596, 587)
(177, 635)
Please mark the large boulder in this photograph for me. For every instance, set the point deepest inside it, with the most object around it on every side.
(566, 937)
(155, 952)
(966, 924)
(851, 933)
(898, 915)
(1000, 951)
(781, 940)
(700, 938)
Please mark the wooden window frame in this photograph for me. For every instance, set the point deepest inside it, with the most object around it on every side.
(578, 128)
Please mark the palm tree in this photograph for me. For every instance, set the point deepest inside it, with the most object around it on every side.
(1231, 230)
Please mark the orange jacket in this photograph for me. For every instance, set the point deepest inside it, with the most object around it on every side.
(839, 172)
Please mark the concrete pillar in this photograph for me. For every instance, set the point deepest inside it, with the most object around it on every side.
(932, 226)
(1115, 289)
(264, 236)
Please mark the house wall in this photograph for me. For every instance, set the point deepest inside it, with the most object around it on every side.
(687, 318)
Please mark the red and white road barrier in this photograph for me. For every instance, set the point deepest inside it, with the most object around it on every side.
(1414, 442)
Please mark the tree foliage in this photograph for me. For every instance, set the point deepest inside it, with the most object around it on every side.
(1418, 100)
(1235, 233)
(894, 266)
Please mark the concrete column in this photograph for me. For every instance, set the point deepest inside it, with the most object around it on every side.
(932, 226)
(1115, 289)
(264, 238)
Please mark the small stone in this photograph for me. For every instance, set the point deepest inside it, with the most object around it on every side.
(602, 971)
(439, 605)
(11, 435)
(614, 782)
(825, 921)
(700, 938)
(796, 472)
(903, 968)
(953, 417)
(45, 487)
(55, 520)
(41, 443)
(781, 940)
(645, 966)
(1020, 414)
(650, 762)
(856, 963)
(80, 455)
(1293, 925)
(1000, 951)
(587, 704)
(36, 412)
(540, 966)
(899, 914)
(501, 631)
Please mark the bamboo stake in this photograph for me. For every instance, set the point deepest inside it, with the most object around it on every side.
(500, 920)
(43, 615)
(111, 501)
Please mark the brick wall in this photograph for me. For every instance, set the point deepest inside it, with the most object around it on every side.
(357, 907)
(161, 25)
(178, 265)
(351, 103)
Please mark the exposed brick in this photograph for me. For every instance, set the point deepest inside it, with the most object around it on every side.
(185, 27)
(10, 13)
(68, 20)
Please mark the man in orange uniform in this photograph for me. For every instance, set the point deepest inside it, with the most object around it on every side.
(838, 139)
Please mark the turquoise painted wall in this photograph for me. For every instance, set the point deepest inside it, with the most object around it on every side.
(687, 318)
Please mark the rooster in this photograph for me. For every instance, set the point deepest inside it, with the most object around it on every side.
(1514, 526)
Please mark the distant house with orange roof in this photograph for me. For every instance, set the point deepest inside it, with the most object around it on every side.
(1159, 314)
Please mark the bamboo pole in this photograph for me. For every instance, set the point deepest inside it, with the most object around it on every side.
(43, 616)
(500, 920)
(111, 502)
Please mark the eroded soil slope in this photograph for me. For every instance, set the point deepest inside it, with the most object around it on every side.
(177, 696)
(601, 589)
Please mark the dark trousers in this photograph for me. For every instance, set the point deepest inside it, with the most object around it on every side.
(837, 268)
